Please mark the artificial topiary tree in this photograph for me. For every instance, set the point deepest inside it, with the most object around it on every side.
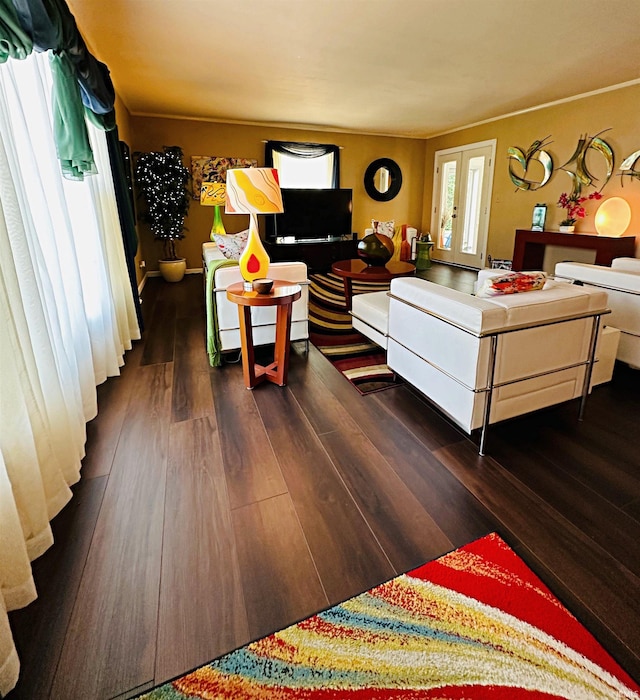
(163, 180)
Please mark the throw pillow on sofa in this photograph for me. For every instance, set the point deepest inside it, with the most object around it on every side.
(511, 283)
(385, 227)
(231, 245)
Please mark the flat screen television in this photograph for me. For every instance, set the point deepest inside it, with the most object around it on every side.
(311, 216)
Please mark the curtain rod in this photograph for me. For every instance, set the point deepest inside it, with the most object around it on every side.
(267, 141)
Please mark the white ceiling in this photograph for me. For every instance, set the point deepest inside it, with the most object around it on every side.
(399, 67)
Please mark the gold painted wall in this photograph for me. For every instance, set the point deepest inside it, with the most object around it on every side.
(616, 111)
(511, 209)
(231, 140)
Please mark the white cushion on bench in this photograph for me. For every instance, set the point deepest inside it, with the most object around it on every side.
(370, 316)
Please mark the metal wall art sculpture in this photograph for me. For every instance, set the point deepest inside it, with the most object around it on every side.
(524, 158)
(627, 167)
(580, 175)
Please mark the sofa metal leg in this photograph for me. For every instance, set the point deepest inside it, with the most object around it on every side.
(588, 370)
(487, 404)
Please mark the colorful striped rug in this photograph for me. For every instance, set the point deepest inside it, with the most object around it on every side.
(362, 362)
(476, 623)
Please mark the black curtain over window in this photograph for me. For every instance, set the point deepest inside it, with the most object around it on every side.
(122, 181)
(304, 150)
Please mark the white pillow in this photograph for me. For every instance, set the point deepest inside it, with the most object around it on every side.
(386, 227)
(511, 283)
(231, 245)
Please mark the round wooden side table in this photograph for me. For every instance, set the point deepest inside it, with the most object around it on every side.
(282, 296)
(357, 269)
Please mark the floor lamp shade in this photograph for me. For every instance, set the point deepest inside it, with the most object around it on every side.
(253, 191)
(213, 194)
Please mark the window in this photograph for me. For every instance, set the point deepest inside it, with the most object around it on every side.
(304, 165)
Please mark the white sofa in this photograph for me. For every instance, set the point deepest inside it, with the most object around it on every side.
(263, 319)
(485, 360)
(621, 281)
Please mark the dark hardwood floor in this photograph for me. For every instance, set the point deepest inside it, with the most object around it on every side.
(209, 515)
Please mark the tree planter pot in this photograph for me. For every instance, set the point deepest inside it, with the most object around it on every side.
(172, 270)
(567, 229)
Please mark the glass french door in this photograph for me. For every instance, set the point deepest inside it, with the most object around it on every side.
(461, 201)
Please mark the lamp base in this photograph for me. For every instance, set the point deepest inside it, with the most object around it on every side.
(254, 260)
(218, 226)
(247, 286)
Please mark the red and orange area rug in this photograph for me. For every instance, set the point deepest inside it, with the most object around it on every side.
(359, 360)
(476, 623)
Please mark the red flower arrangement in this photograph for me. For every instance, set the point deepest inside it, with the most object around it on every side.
(573, 204)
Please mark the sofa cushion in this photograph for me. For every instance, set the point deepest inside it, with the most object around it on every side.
(373, 309)
(548, 304)
(511, 283)
(469, 312)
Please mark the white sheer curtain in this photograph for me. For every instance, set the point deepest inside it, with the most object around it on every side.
(66, 318)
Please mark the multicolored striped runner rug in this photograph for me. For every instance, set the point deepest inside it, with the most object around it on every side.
(362, 362)
(476, 623)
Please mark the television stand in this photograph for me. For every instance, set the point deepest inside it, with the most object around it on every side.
(318, 253)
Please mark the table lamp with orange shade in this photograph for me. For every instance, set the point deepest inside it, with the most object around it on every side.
(253, 191)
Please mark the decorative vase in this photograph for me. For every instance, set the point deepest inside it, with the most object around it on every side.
(254, 260)
(375, 249)
(218, 226)
(567, 229)
(172, 270)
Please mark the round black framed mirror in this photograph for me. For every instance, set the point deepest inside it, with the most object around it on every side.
(383, 179)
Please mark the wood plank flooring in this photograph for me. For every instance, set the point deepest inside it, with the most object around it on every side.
(209, 515)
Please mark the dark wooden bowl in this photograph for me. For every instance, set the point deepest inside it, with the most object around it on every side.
(262, 286)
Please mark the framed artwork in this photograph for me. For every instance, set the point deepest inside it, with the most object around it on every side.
(539, 217)
(213, 169)
(501, 264)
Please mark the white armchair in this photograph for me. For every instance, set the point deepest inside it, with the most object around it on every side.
(485, 360)
(621, 281)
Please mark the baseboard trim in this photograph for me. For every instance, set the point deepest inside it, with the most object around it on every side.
(156, 273)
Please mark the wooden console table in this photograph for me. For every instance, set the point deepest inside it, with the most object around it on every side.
(528, 252)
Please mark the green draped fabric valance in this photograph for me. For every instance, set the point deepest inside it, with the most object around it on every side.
(69, 127)
(14, 41)
(81, 84)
